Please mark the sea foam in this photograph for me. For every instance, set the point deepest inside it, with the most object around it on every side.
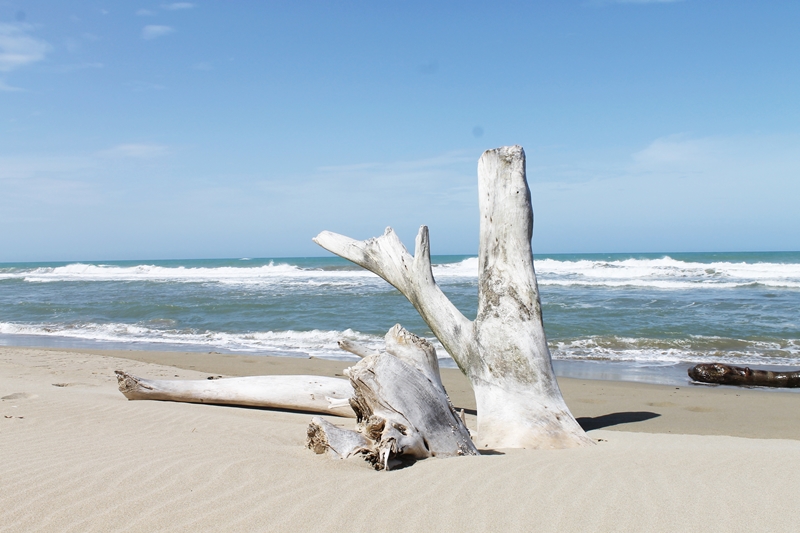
(664, 273)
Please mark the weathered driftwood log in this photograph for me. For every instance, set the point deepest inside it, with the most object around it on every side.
(403, 412)
(316, 394)
(722, 374)
(503, 351)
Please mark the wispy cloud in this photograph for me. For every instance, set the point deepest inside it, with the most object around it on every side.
(443, 179)
(137, 151)
(153, 31)
(203, 65)
(444, 160)
(78, 66)
(140, 86)
(17, 48)
(607, 2)
(176, 6)
(671, 157)
(26, 168)
(678, 192)
(678, 149)
(9, 88)
(646, 1)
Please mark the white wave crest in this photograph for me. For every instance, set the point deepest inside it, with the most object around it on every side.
(467, 268)
(695, 349)
(265, 273)
(667, 273)
(663, 273)
(324, 344)
(316, 343)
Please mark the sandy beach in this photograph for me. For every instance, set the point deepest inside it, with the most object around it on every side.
(77, 456)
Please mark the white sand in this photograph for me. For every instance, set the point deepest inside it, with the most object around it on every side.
(81, 457)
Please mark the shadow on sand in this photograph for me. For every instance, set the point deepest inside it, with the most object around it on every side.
(589, 423)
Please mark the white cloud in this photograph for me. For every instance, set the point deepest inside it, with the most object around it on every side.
(729, 161)
(444, 160)
(203, 65)
(175, 6)
(153, 31)
(28, 167)
(139, 86)
(445, 180)
(674, 150)
(78, 66)
(646, 1)
(607, 2)
(138, 151)
(145, 13)
(8, 88)
(17, 48)
(665, 158)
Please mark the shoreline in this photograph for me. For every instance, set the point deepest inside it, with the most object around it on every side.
(78, 456)
(597, 403)
(591, 369)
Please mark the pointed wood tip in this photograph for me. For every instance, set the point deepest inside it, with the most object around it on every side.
(321, 236)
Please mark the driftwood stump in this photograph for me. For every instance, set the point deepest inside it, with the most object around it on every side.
(402, 410)
(504, 350)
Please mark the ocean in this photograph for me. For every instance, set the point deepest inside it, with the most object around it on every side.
(647, 310)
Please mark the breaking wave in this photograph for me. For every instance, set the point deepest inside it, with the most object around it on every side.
(323, 344)
(663, 273)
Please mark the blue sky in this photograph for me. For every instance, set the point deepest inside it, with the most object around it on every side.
(147, 130)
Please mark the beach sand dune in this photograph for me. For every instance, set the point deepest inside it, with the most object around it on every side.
(75, 455)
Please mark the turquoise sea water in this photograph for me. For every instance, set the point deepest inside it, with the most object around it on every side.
(648, 309)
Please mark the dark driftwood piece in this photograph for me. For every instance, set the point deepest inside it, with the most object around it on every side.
(721, 374)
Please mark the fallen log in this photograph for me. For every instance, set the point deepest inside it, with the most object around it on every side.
(722, 374)
(316, 394)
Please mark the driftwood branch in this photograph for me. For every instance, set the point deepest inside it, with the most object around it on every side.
(316, 394)
(355, 348)
(412, 276)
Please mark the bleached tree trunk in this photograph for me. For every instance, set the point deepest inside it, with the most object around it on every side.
(317, 394)
(504, 350)
(402, 409)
